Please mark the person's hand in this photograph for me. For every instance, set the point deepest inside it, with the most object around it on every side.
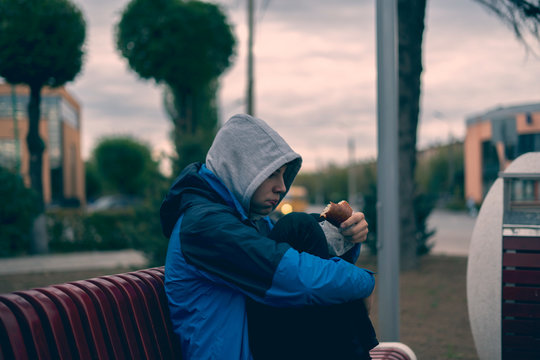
(355, 228)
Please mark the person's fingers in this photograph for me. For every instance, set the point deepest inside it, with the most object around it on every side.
(355, 218)
(355, 229)
(358, 237)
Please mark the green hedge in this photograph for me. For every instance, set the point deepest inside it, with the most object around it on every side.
(17, 212)
(74, 230)
(137, 228)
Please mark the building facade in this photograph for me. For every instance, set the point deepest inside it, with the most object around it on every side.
(60, 129)
(495, 138)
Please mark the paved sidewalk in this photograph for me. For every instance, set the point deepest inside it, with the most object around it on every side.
(72, 261)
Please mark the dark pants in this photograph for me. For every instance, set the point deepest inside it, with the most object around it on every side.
(341, 331)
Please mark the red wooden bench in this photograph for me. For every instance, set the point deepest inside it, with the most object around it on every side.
(123, 316)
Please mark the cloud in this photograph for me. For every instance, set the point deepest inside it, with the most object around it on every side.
(472, 63)
(315, 63)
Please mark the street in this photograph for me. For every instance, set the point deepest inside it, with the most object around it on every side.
(453, 232)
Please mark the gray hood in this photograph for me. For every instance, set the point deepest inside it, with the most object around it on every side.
(245, 152)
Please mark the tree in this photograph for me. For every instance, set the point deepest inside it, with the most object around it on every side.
(125, 165)
(92, 181)
(193, 146)
(17, 211)
(41, 44)
(186, 45)
(522, 16)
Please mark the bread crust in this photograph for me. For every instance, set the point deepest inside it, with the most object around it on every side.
(337, 213)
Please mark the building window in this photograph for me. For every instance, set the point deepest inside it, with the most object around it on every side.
(8, 156)
(490, 166)
(6, 106)
(69, 114)
(73, 168)
(528, 119)
(54, 146)
(528, 143)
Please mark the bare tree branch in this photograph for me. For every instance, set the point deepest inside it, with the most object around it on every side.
(521, 16)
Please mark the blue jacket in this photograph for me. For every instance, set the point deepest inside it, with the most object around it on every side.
(216, 258)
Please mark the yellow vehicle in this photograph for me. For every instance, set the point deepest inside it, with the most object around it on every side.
(295, 200)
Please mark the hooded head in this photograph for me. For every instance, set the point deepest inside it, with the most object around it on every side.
(245, 152)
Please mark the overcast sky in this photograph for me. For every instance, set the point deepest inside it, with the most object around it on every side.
(315, 79)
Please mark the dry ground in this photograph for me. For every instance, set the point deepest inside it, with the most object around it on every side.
(434, 317)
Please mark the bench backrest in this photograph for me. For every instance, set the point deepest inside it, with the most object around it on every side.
(122, 316)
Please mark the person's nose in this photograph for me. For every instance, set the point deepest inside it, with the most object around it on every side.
(279, 186)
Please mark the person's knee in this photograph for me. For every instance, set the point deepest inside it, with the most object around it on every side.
(299, 219)
(303, 232)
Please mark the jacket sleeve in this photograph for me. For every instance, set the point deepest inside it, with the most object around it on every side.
(215, 240)
(352, 255)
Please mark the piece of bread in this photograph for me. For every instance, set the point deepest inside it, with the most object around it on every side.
(337, 213)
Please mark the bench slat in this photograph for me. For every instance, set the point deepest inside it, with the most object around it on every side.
(522, 326)
(521, 243)
(525, 277)
(162, 311)
(71, 318)
(114, 341)
(122, 317)
(138, 315)
(30, 325)
(51, 322)
(520, 354)
(11, 337)
(90, 321)
(148, 304)
(521, 342)
(521, 293)
(521, 260)
(521, 310)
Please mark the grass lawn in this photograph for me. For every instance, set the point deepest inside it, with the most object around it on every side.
(434, 314)
(433, 301)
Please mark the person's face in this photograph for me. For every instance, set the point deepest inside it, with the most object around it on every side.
(268, 194)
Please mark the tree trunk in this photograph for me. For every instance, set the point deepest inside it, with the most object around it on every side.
(36, 147)
(411, 15)
(35, 144)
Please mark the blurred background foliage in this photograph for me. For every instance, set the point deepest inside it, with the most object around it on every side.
(439, 175)
(18, 209)
(185, 46)
(119, 166)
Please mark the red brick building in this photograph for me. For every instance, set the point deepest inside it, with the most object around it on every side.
(60, 129)
(495, 138)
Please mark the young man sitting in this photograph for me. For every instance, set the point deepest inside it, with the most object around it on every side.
(224, 253)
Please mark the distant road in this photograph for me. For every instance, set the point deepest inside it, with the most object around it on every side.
(453, 231)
